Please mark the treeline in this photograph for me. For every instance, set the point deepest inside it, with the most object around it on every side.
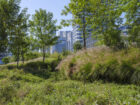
(104, 18)
(19, 35)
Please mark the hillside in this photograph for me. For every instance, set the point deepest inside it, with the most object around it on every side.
(102, 63)
(37, 83)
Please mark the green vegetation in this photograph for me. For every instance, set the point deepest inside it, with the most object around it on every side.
(77, 46)
(104, 18)
(27, 56)
(6, 60)
(102, 63)
(81, 16)
(98, 72)
(20, 87)
(97, 76)
(19, 39)
(8, 12)
(43, 27)
(32, 90)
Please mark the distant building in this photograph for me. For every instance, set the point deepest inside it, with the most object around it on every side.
(77, 36)
(65, 42)
(69, 41)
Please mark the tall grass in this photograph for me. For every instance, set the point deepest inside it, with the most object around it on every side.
(102, 63)
(31, 86)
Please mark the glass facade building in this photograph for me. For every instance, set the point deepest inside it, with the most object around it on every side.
(65, 42)
(77, 36)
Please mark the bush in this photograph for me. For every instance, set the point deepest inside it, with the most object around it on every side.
(32, 55)
(7, 91)
(6, 60)
(66, 53)
(77, 46)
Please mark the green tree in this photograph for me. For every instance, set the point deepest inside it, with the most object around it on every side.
(132, 10)
(77, 46)
(25, 47)
(18, 36)
(106, 21)
(81, 16)
(8, 11)
(43, 27)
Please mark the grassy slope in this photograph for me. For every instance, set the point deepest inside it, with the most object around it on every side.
(27, 87)
(103, 64)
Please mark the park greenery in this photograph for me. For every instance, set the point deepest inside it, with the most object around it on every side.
(77, 46)
(104, 19)
(108, 74)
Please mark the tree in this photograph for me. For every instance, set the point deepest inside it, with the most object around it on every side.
(43, 27)
(106, 21)
(132, 10)
(18, 36)
(77, 46)
(8, 11)
(81, 15)
(25, 47)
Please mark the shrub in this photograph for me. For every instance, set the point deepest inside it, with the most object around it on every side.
(77, 46)
(65, 53)
(6, 60)
(7, 91)
(32, 55)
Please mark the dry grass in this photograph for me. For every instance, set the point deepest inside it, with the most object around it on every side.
(93, 55)
(104, 59)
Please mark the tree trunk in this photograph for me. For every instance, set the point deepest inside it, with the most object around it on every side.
(22, 58)
(84, 32)
(18, 58)
(44, 54)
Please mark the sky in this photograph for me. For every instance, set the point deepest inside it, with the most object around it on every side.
(54, 6)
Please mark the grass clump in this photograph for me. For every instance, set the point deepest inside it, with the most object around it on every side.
(103, 64)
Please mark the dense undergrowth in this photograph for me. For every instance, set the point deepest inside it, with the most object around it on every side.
(20, 88)
(37, 83)
(102, 63)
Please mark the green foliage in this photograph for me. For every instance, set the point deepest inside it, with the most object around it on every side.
(19, 41)
(32, 55)
(106, 21)
(81, 16)
(65, 92)
(43, 27)
(8, 11)
(131, 8)
(77, 46)
(7, 91)
(32, 86)
(110, 66)
(6, 60)
(65, 53)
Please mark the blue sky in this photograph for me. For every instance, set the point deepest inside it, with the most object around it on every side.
(54, 6)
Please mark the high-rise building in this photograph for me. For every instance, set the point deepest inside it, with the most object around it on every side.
(69, 41)
(77, 36)
(65, 42)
